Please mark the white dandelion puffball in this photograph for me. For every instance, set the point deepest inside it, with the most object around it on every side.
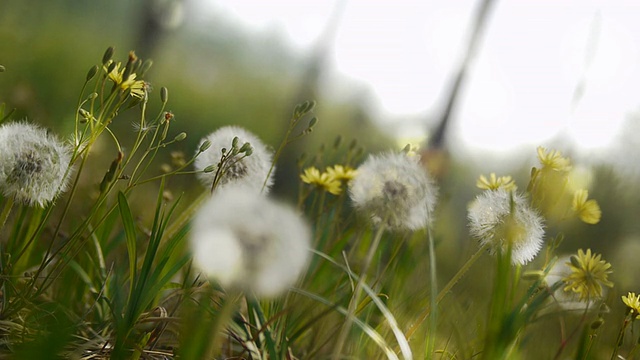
(250, 171)
(250, 242)
(34, 165)
(566, 299)
(396, 189)
(503, 218)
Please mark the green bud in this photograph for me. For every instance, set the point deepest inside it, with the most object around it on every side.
(597, 323)
(353, 144)
(92, 96)
(308, 106)
(248, 152)
(246, 146)
(337, 142)
(180, 136)
(224, 151)
(575, 262)
(205, 145)
(210, 168)
(2, 68)
(164, 95)
(234, 142)
(108, 54)
(111, 67)
(146, 65)
(111, 173)
(312, 122)
(92, 72)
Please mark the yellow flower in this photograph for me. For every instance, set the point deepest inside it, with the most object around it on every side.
(633, 303)
(340, 172)
(324, 181)
(588, 274)
(137, 87)
(588, 210)
(495, 183)
(553, 160)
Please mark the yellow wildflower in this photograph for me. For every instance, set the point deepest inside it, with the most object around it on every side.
(137, 87)
(495, 183)
(340, 172)
(588, 210)
(633, 303)
(588, 274)
(324, 181)
(553, 160)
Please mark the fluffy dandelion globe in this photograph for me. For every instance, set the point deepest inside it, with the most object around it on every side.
(34, 165)
(503, 219)
(249, 242)
(248, 170)
(394, 189)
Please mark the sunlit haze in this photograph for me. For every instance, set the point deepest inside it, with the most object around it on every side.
(543, 68)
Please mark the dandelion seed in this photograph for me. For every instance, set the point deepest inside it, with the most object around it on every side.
(33, 164)
(240, 169)
(633, 303)
(588, 275)
(587, 210)
(504, 220)
(249, 242)
(394, 188)
(495, 183)
(324, 181)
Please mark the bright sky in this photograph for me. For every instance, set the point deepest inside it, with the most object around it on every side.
(522, 88)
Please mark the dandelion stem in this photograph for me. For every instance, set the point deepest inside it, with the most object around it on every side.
(342, 337)
(433, 322)
(6, 210)
(463, 270)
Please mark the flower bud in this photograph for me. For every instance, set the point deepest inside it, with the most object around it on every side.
(92, 72)
(164, 95)
(108, 54)
(180, 136)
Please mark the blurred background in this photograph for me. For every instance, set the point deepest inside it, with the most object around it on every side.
(479, 84)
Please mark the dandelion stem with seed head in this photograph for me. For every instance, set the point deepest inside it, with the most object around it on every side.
(351, 311)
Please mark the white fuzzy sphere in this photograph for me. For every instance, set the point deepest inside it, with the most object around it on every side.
(250, 242)
(33, 164)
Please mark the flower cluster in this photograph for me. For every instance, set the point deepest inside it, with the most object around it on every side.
(554, 193)
(34, 164)
(330, 180)
(247, 165)
(394, 189)
(249, 242)
(633, 303)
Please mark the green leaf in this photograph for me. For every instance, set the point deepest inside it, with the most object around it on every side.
(130, 232)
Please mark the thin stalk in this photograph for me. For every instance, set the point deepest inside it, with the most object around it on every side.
(431, 339)
(342, 337)
(445, 290)
(6, 210)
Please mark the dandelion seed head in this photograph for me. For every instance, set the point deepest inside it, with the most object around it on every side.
(33, 164)
(503, 219)
(250, 242)
(250, 171)
(394, 188)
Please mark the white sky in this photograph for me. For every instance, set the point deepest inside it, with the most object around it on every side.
(522, 86)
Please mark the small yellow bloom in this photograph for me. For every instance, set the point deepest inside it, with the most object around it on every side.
(633, 303)
(495, 183)
(588, 210)
(340, 172)
(553, 160)
(324, 181)
(588, 274)
(137, 87)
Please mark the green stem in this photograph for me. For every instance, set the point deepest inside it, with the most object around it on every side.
(445, 290)
(351, 311)
(8, 205)
(434, 301)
